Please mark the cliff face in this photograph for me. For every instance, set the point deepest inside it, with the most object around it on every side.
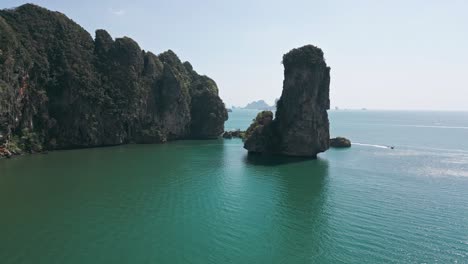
(59, 88)
(301, 126)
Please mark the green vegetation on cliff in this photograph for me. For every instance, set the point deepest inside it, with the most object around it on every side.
(262, 119)
(60, 88)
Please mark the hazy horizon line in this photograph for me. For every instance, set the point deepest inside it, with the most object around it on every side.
(377, 109)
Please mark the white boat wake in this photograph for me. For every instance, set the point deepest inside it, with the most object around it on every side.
(371, 145)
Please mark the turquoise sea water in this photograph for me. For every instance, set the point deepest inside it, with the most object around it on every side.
(208, 202)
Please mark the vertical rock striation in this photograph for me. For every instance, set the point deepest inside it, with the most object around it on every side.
(60, 88)
(300, 127)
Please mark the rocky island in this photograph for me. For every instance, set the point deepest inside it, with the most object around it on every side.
(60, 88)
(234, 134)
(259, 105)
(301, 126)
(340, 142)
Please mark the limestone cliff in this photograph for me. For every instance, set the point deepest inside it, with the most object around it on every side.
(300, 127)
(60, 88)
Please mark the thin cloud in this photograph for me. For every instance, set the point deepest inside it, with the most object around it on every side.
(118, 12)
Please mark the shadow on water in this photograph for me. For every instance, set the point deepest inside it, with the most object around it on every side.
(301, 227)
(284, 200)
(272, 160)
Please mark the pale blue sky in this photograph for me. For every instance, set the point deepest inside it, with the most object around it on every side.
(409, 54)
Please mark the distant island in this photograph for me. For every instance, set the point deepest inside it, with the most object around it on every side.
(62, 89)
(258, 105)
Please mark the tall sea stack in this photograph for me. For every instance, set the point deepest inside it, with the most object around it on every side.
(300, 127)
(60, 88)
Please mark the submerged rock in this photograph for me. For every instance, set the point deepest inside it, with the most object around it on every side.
(340, 142)
(301, 126)
(59, 88)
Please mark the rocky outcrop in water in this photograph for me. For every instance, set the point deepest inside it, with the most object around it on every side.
(234, 134)
(340, 142)
(259, 137)
(61, 89)
(300, 127)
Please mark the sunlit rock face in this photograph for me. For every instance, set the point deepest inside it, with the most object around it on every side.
(301, 126)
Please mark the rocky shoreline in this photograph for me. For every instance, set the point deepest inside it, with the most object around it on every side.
(5, 153)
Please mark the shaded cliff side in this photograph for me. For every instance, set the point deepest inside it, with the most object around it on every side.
(300, 127)
(60, 88)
